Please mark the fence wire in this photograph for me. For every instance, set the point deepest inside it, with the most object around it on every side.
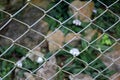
(46, 47)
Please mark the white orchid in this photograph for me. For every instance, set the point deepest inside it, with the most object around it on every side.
(74, 52)
(77, 22)
(39, 60)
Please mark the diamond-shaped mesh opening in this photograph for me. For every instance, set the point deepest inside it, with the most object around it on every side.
(5, 68)
(107, 2)
(4, 44)
(106, 20)
(60, 12)
(30, 39)
(63, 58)
(29, 14)
(103, 43)
(115, 6)
(15, 53)
(41, 27)
(46, 24)
(15, 29)
(3, 19)
(13, 7)
(89, 55)
(91, 33)
(75, 66)
(114, 31)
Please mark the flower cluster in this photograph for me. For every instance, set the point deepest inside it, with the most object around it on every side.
(77, 22)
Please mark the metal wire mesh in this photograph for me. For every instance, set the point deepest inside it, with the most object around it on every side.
(63, 64)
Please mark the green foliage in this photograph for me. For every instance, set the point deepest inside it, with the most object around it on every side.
(106, 40)
(14, 53)
(51, 23)
(103, 43)
(30, 65)
(1, 16)
(106, 20)
(115, 31)
(78, 65)
(61, 13)
(5, 67)
(60, 76)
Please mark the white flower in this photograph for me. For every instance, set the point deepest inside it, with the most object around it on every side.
(95, 11)
(28, 0)
(74, 52)
(39, 60)
(77, 22)
(19, 64)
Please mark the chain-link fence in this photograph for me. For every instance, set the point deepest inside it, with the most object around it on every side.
(59, 40)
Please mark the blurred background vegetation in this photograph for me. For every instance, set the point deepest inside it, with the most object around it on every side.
(61, 13)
